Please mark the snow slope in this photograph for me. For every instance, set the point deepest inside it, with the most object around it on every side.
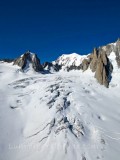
(64, 115)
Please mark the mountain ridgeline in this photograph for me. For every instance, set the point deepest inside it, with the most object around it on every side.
(99, 62)
(66, 109)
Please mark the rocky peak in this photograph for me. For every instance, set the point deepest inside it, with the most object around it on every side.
(103, 69)
(28, 58)
(94, 57)
(99, 63)
(95, 53)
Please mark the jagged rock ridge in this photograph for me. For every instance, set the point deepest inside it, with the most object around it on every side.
(27, 58)
(100, 64)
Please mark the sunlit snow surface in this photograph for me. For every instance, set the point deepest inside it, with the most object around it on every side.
(32, 106)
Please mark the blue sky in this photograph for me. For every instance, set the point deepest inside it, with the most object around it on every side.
(51, 28)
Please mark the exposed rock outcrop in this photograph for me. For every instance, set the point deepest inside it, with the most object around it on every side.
(108, 48)
(50, 66)
(85, 64)
(113, 47)
(73, 67)
(94, 58)
(103, 69)
(28, 58)
(99, 63)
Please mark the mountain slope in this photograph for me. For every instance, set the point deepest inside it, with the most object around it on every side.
(65, 115)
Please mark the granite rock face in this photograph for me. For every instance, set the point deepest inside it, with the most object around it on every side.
(73, 67)
(94, 58)
(99, 63)
(103, 69)
(27, 58)
(85, 64)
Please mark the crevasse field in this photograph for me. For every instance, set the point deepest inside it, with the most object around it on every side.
(58, 116)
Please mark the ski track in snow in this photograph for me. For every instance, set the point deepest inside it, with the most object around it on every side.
(58, 116)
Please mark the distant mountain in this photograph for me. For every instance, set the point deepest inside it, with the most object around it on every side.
(66, 61)
(102, 61)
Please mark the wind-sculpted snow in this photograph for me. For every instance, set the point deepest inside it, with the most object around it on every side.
(65, 115)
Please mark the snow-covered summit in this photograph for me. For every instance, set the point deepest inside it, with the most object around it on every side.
(68, 60)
